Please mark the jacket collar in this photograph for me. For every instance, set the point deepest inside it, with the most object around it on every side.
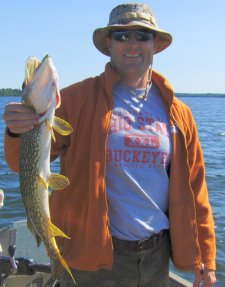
(111, 78)
(164, 87)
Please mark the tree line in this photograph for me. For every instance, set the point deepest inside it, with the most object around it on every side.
(17, 93)
(10, 92)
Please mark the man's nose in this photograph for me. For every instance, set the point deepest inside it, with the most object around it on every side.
(132, 39)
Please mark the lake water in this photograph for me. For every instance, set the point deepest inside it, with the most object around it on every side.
(209, 114)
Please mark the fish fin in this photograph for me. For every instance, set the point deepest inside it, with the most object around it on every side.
(42, 182)
(30, 66)
(62, 127)
(57, 232)
(58, 181)
(58, 266)
(50, 129)
(31, 229)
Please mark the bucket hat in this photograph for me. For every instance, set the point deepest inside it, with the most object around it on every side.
(131, 15)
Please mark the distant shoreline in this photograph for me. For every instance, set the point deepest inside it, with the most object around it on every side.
(18, 92)
(204, 95)
(10, 92)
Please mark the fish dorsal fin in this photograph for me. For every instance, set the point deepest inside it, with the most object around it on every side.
(62, 126)
(57, 232)
(58, 181)
(50, 129)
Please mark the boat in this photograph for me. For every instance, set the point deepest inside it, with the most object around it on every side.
(22, 264)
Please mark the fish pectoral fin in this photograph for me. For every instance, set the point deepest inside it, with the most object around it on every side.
(50, 128)
(42, 182)
(31, 229)
(62, 126)
(58, 181)
(57, 232)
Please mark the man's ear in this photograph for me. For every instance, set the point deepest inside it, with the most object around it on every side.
(154, 46)
(108, 43)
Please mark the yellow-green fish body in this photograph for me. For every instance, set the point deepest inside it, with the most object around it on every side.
(41, 94)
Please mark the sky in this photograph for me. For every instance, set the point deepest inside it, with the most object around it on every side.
(194, 63)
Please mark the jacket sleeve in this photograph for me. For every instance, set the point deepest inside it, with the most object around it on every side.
(204, 217)
(11, 151)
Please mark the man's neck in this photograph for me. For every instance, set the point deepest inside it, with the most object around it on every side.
(136, 82)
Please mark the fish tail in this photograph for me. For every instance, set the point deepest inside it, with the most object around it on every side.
(58, 266)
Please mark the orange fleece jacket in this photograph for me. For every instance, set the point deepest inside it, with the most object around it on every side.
(81, 209)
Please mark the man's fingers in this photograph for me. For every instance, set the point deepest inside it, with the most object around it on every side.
(22, 130)
(21, 123)
(18, 111)
(16, 107)
(19, 118)
(14, 116)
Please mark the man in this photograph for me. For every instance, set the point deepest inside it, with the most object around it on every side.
(135, 166)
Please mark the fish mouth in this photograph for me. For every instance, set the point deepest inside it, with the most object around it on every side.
(41, 91)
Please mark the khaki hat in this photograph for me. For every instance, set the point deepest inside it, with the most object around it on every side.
(131, 15)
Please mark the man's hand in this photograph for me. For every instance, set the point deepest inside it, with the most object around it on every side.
(206, 276)
(19, 119)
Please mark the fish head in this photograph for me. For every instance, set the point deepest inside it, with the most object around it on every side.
(41, 90)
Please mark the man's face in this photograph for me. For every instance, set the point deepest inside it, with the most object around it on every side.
(131, 53)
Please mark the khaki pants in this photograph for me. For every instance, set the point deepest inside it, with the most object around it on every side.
(149, 268)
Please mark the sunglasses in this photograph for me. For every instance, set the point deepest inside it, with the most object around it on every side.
(125, 35)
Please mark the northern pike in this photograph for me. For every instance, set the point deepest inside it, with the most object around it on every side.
(41, 93)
